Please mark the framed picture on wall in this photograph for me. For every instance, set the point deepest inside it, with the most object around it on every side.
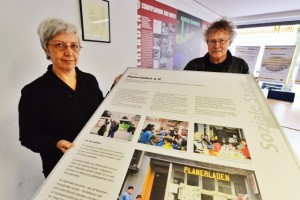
(95, 20)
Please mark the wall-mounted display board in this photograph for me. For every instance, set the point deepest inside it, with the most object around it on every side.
(167, 38)
(249, 54)
(175, 134)
(276, 63)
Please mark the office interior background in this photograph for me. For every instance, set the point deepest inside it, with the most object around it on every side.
(23, 60)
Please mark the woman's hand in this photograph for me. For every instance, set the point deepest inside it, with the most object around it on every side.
(64, 145)
(118, 78)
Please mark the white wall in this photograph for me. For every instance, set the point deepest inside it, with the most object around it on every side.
(193, 8)
(22, 60)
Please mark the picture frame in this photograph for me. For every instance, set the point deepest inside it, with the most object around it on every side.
(95, 20)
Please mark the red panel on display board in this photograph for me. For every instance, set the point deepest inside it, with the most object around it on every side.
(156, 34)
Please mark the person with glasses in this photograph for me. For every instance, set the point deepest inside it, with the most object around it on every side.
(219, 35)
(54, 108)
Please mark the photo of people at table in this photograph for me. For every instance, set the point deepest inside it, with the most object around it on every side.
(116, 125)
(220, 141)
(165, 133)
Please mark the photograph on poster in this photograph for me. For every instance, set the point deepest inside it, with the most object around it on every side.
(160, 177)
(116, 125)
(220, 141)
(165, 133)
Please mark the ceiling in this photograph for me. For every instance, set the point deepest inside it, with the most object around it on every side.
(243, 12)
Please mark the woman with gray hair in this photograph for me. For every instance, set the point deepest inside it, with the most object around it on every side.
(218, 36)
(54, 108)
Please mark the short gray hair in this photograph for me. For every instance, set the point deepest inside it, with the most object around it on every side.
(51, 27)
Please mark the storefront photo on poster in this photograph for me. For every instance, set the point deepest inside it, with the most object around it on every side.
(162, 177)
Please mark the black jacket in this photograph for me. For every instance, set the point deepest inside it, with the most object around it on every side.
(234, 64)
(49, 111)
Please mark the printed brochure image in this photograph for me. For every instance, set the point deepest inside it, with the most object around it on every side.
(165, 133)
(116, 125)
(220, 141)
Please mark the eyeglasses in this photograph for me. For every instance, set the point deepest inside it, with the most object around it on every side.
(62, 46)
(214, 42)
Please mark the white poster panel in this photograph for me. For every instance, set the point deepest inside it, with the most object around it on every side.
(276, 63)
(154, 120)
(249, 54)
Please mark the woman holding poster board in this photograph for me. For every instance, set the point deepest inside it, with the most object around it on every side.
(54, 108)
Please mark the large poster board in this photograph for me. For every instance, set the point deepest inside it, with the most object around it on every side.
(179, 135)
(276, 63)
